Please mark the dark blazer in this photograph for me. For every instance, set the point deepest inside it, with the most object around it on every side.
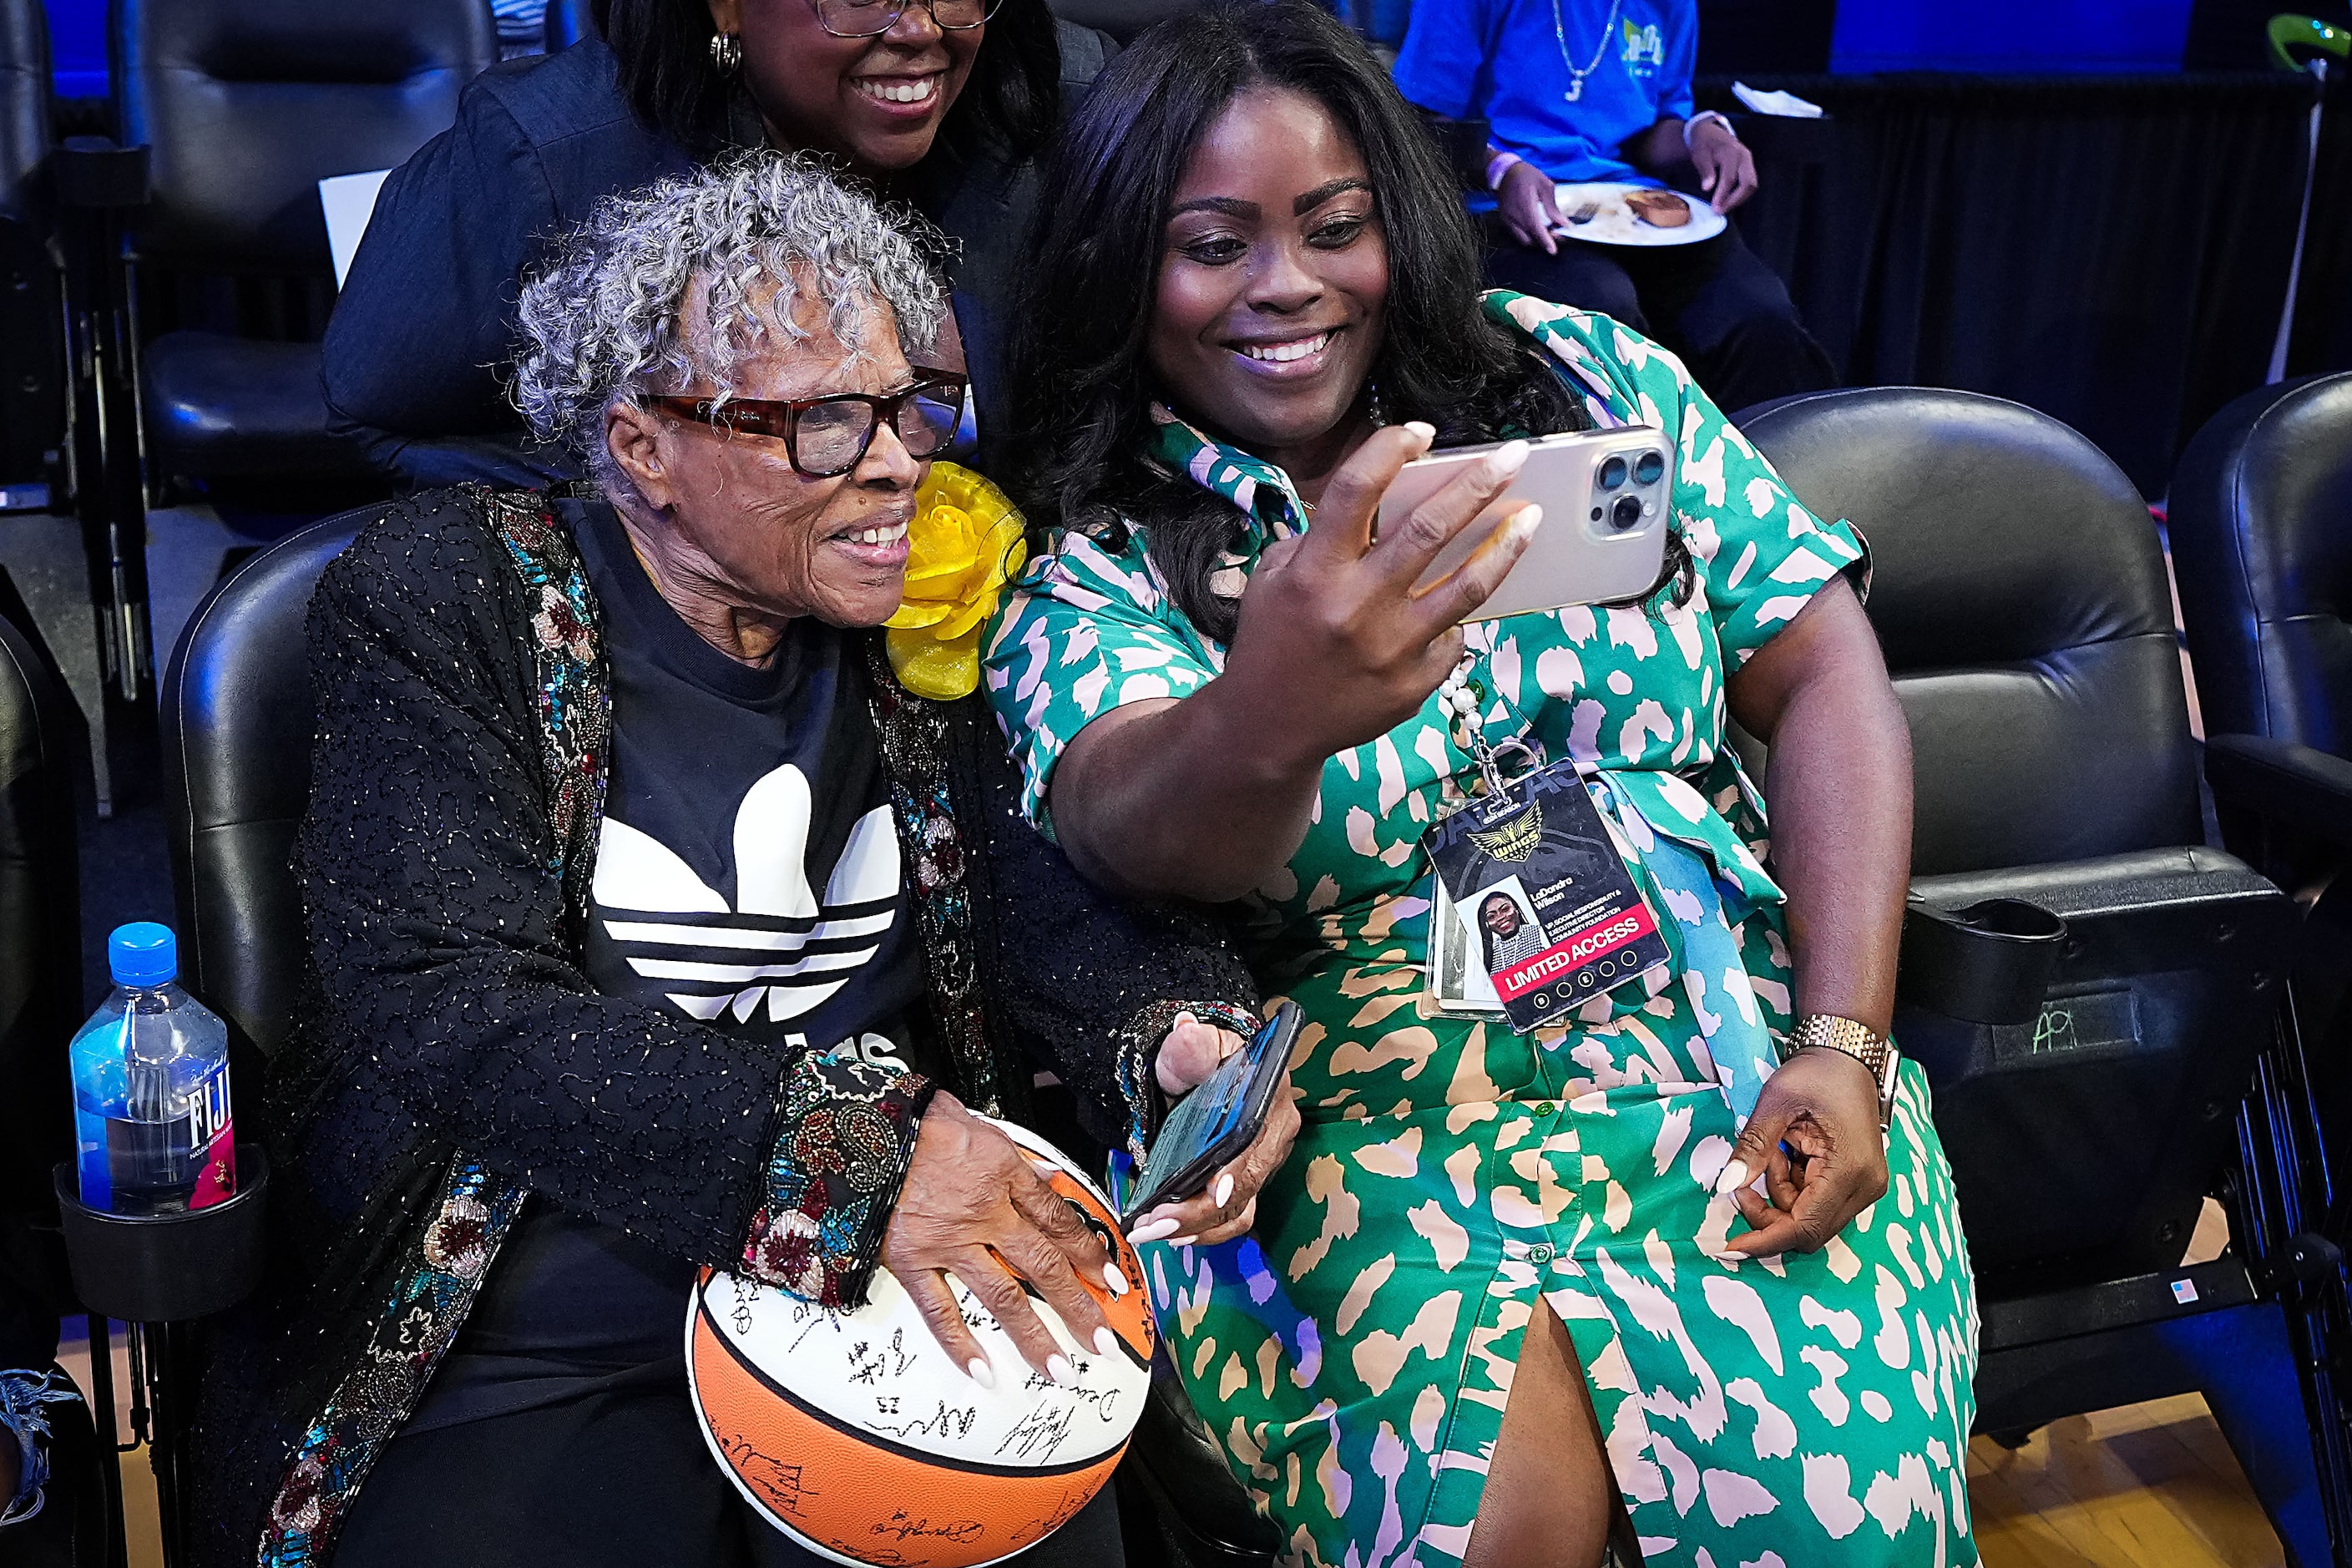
(415, 351)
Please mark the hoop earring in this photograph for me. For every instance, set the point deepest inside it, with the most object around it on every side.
(726, 53)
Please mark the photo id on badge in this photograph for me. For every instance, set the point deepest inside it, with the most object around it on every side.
(1547, 907)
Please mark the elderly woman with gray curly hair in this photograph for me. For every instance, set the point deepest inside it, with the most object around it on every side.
(656, 925)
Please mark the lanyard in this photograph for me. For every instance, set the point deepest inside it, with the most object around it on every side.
(1463, 696)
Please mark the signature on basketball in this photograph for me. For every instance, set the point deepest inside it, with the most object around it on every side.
(947, 1421)
(1041, 1432)
(779, 1483)
(1072, 1501)
(900, 1527)
(869, 1364)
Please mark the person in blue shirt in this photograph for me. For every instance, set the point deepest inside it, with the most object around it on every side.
(1578, 90)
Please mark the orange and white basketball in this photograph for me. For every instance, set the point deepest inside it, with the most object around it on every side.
(857, 1436)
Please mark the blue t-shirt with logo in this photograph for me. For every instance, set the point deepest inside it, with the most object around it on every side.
(1501, 61)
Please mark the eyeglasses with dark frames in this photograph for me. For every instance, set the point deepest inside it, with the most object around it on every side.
(827, 437)
(872, 19)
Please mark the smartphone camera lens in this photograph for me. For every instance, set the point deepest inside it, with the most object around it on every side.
(1648, 468)
(1627, 513)
(1612, 473)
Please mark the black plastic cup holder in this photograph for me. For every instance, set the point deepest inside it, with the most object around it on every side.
(166, 1269)
(1990, 963)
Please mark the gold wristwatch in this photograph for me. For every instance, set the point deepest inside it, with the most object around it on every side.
(1865, 1045)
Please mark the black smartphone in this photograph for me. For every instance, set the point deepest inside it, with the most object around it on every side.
(1216, 1122)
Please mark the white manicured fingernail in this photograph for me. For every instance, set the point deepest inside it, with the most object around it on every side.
(1735, 1175)
(1224, 1190)
(1524, 520)
(1183, 1241)
(1058, 1368)
(1114, 1280)
(1510, 457)
(1106, 1343)
(1426, 431)
(982, 1372)
(1153, 1230)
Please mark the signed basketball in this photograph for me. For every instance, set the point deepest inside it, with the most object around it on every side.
(854, 1433)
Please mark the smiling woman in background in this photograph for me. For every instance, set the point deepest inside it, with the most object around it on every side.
(936, 103)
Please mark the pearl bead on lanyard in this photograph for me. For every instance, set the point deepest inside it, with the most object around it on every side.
(1461, 698)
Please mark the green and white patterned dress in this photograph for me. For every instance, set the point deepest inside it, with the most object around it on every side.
(1354, 1353)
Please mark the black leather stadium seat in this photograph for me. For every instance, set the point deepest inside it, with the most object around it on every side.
(2020, 597)
(25, 126)
(238, 716)
(248, 104)
(2262, 540)
(32, 397)
(43, 749)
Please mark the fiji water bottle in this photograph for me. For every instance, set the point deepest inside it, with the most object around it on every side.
(151, 1088)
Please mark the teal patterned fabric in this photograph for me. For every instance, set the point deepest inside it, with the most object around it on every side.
(1353, 1355)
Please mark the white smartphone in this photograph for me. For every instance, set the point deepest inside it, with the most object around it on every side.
(1606, 497)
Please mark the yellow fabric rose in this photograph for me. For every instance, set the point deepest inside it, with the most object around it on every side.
(965, 541)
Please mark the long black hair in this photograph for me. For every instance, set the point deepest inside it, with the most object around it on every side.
(1009, 105)
(1079, 423)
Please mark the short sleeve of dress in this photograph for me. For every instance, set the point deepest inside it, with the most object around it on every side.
(1084, 631)
(1760, 554)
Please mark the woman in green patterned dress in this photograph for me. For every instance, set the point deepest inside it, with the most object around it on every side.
(1495, 1267)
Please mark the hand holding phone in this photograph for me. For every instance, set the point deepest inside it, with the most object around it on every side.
(1201, 1176)
(1607, 498)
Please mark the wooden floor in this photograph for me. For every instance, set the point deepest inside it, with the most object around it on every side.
(2149, 1486)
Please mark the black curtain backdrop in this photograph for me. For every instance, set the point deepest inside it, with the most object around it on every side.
(2111, 250)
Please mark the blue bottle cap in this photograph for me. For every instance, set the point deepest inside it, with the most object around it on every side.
(143, 953)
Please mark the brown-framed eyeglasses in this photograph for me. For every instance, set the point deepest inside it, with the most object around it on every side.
(872, 19)
(826, 437)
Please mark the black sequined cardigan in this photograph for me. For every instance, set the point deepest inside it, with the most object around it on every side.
(451, 1057)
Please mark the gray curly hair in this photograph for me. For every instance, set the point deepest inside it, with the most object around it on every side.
(604, 321)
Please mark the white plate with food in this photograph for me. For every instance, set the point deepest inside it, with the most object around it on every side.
(1612, 213)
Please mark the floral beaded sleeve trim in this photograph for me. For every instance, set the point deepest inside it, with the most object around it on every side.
(846, 1137)
(434, 1287)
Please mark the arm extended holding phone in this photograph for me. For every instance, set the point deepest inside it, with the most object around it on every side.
(1205, 797)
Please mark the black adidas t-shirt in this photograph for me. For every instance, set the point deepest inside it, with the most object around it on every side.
(748, 875)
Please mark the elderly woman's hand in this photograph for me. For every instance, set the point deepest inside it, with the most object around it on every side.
(1227, 1207)
(973, 1206)
(1821, 1106)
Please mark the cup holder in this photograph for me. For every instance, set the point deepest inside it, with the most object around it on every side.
(1990, 963)
(165, 1269)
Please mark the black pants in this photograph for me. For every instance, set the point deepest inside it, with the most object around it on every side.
(619, 1479)
(1714, 303)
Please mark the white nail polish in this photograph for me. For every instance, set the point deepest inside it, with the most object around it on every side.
(1224, 1192)
(1106, 1343)
(982, 1372)
(1183, 1241)
(1114, 1280)
(1058, 1368)
(1156, 1230)
(1735, 1175)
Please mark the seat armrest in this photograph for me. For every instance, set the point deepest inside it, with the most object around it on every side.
(2286, 784)
(93, 171)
